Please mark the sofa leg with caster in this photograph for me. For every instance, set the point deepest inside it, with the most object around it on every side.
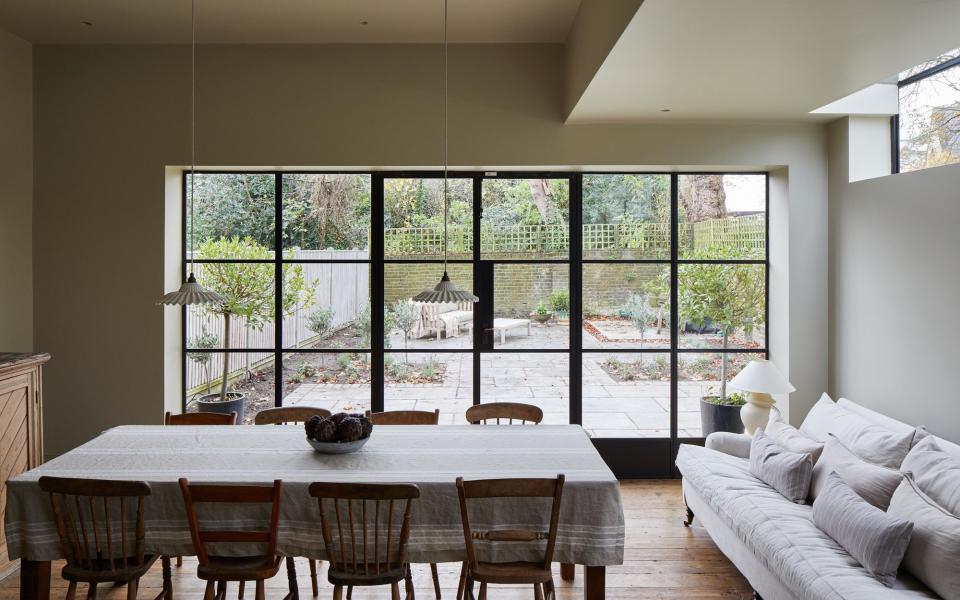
(688, 520)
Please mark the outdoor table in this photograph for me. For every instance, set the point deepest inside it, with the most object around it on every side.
(591, 526)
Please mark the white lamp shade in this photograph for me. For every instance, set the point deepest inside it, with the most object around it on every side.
(762, 376)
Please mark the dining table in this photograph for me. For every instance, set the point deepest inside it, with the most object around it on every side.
(591, 523)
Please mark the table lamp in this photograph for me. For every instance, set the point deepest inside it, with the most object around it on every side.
(759, 379)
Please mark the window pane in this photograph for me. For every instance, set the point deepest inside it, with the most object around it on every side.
(249, 291)
(626, 306)
(525, 218)
(700, 375)
(626, 216)
(531, 304)
(626, 395)
(326, 305)
(539, 379)
(338, 382)
(233, 214)
(249, 375)
(413, 218)
(930, 121)
(419, 381)
(722, 216)
(722, 306)
(326, 211)
(410, 324)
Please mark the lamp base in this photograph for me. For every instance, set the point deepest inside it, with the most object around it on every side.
(756, 412)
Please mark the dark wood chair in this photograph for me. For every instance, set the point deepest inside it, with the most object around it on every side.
(101, 529)
(221, 569)
(200, 418)
(353, 513)
(504, 412)
(290, 415)
(537, 573)
(405, 417)
(286, 415)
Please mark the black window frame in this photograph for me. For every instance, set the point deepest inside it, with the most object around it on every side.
(895, 119)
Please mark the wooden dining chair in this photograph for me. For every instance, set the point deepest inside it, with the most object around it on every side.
(536, 573)
(500, 412)
(285, 415)
(405, 417)
(101, 528)
(365, 531)
(200, 418)
(216, 569)
(288, 415)
(411, 417)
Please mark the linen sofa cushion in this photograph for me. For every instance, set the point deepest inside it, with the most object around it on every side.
(787, 472)
(781, 535)
(873, 483)
(888, 423)
(877, 540)
(792, 440)
(936, 473)
(868, 440)
(934, 550)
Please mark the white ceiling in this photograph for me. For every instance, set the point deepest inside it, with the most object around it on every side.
(760, 59)
(287, 21)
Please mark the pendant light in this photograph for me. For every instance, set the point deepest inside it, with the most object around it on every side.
(191, 292)
(445, 290)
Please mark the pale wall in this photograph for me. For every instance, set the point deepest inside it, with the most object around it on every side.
(16, 194)
(112, 117)
(894, 289)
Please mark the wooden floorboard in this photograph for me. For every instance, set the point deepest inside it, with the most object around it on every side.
(662, 560)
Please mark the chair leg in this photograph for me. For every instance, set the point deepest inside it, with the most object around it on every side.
(240, 588)
(132, 587)
(408, 584)
(337, 592)
(462, 582)
(483, 590)
(179, 561)
(259, 594)
(549, 591)
(468, 589)
(349, 592)
(167, 592)
(292, 579)
(72, 590)
(221, 590)
(436, 579)
(208, 591)
(537, 592)
(92, 592)
(313, 577)
(394, 591)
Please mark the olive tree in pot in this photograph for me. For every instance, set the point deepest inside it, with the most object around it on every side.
(248, 292)
(732, 297)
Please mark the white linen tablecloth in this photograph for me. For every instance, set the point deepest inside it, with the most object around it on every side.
(591, 529)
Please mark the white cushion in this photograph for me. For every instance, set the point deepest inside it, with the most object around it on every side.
(934, 550)
(787, 472)
(936, 473)
(790, 438)
(868, 440)
(873, 483)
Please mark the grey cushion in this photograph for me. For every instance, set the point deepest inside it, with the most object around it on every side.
(877, 540)
(791, 439)
(868, 440)
(873, 483)
(787, 472)
(936, 473)
(934, 550)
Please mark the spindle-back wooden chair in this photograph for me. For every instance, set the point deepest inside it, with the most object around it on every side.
(504, 413)
(353, 513)
(200, 418)
(221, 569)
(405, 417)
(537, 573)
(101, 528)
(288, 415)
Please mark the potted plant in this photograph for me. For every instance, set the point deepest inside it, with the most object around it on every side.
(541, 314)
(248, 292)
(731, 298)
(560, 302)
(203, 343)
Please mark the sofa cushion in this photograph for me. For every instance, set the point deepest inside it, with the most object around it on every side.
(868, 440)
(873, 483)
(781, 534)
(934, 550)
(785, 471)
(790, 438)
(936, 473)
(876, 539)
(880, 419)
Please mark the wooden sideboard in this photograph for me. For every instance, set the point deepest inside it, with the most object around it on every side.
(21, 426)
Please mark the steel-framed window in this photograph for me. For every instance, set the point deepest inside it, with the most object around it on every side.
(949, 63)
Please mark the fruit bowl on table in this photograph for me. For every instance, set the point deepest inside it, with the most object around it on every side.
(341, 433)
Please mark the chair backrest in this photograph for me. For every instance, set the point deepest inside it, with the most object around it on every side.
(510, 488)
(405, 417)
(288, 414)
(99, 522)
(360, 511)
(200, 418)
(194, 494)
(504, 412)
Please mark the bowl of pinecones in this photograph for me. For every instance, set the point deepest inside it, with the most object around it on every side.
(341, 433)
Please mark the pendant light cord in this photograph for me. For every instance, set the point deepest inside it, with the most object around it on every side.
(193, 119)
(446, 197)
